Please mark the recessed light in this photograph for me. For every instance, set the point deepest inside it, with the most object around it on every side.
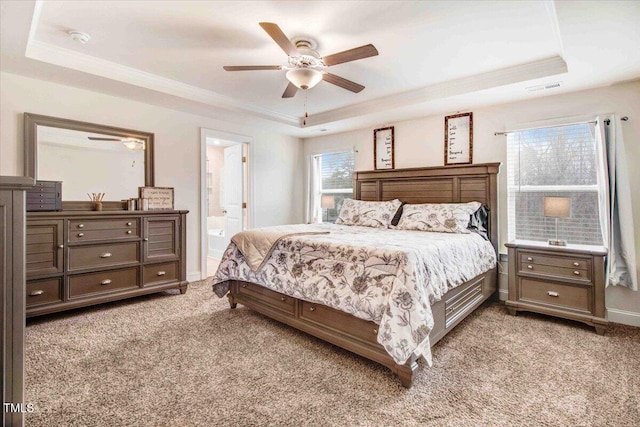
(79, 36)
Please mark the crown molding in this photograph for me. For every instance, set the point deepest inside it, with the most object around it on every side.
(89, 64)
(502, 77)
(67, 58)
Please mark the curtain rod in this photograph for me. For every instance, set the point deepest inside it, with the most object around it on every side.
(607, 121)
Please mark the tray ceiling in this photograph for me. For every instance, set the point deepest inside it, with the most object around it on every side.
(433, 55)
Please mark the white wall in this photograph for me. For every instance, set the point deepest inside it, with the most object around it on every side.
(278, 177)
(420, 142)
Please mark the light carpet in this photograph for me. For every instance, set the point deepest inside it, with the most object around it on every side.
(188, 360)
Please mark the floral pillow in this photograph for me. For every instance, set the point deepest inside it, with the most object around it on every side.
(441, 217)
(368, 214)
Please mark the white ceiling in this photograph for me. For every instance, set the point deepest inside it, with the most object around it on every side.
(435, 56)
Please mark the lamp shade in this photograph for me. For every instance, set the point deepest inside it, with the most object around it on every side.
(328, 202)
(304, 78)
(557, 207)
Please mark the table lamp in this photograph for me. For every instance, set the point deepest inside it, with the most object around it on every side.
(327, 202)
(557, 207)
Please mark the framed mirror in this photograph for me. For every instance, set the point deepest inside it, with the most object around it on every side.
(88, 158)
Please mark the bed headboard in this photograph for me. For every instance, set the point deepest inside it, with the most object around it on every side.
(440, 184)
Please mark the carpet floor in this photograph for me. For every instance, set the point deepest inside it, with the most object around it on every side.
(188, 360)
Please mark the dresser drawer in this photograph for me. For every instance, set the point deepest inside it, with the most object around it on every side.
(44, 291)
(107, 255)
(267, 296)
(343, 322)
(90, 229)
(103, 282)
(555, 294)
(156, 274)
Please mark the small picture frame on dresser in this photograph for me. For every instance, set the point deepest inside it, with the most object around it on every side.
(158, 198)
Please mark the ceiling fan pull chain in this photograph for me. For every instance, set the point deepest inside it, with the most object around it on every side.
(304, 121)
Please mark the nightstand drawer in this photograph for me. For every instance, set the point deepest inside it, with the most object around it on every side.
(555, 261)
(565, 296)
(552, 270)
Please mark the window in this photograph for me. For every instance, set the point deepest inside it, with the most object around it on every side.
(554, 161)
(335, 180)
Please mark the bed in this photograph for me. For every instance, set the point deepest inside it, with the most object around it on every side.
(400, 332)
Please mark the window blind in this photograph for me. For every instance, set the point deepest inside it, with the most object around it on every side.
(556, 161)
(336, 179)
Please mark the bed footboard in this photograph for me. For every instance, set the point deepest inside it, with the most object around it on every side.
(354, 334)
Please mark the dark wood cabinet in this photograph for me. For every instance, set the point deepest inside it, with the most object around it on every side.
(562, 281)
(12, 297)
(80, 258)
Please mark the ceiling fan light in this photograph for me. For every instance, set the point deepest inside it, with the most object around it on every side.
(304, 78)
(133, 144)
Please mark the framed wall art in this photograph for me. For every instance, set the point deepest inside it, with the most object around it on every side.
(458, 139)
(383, 148)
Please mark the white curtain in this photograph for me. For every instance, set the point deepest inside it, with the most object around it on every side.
(615, 204)
(312, 211)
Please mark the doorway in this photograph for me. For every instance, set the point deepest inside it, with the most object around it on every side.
(225, 194)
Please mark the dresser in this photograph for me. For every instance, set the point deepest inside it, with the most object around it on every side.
(563, 281)
(80, 258)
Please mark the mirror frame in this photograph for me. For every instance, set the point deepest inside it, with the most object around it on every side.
(32, 121)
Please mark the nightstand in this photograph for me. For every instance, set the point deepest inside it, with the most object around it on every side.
(563, 281)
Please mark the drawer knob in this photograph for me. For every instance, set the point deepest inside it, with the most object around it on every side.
(161, 273)
(283, 298)
(146, 239)
(80, 234)
(61, 246)
(529, 258)
(105, 282)
(128, 231)
(553, 294)
(530, 267)
(577, 273)
(244, 285)
(129, 224)
(375, 331)
(80, 225)
(36, 293)
(106, 255)
(576, 264)
(312, 308)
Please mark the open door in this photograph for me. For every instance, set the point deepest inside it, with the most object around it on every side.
(233, 185)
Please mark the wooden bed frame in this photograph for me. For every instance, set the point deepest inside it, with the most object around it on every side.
(445, 184)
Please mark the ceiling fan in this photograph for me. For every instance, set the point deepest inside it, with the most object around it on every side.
(306, 66)
(130, 143)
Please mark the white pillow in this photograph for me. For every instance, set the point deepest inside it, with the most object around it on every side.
(368, 214)
(440, 217)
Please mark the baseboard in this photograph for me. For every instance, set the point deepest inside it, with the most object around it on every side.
(194, 276)
(625, 317)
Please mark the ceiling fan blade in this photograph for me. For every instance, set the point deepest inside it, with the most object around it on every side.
(342, 82)
(95, 138)
(279, 37)
(351, 55)
(251, 67)
(290, 91)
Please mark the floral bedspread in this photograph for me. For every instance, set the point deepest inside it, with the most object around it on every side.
(390, 277)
